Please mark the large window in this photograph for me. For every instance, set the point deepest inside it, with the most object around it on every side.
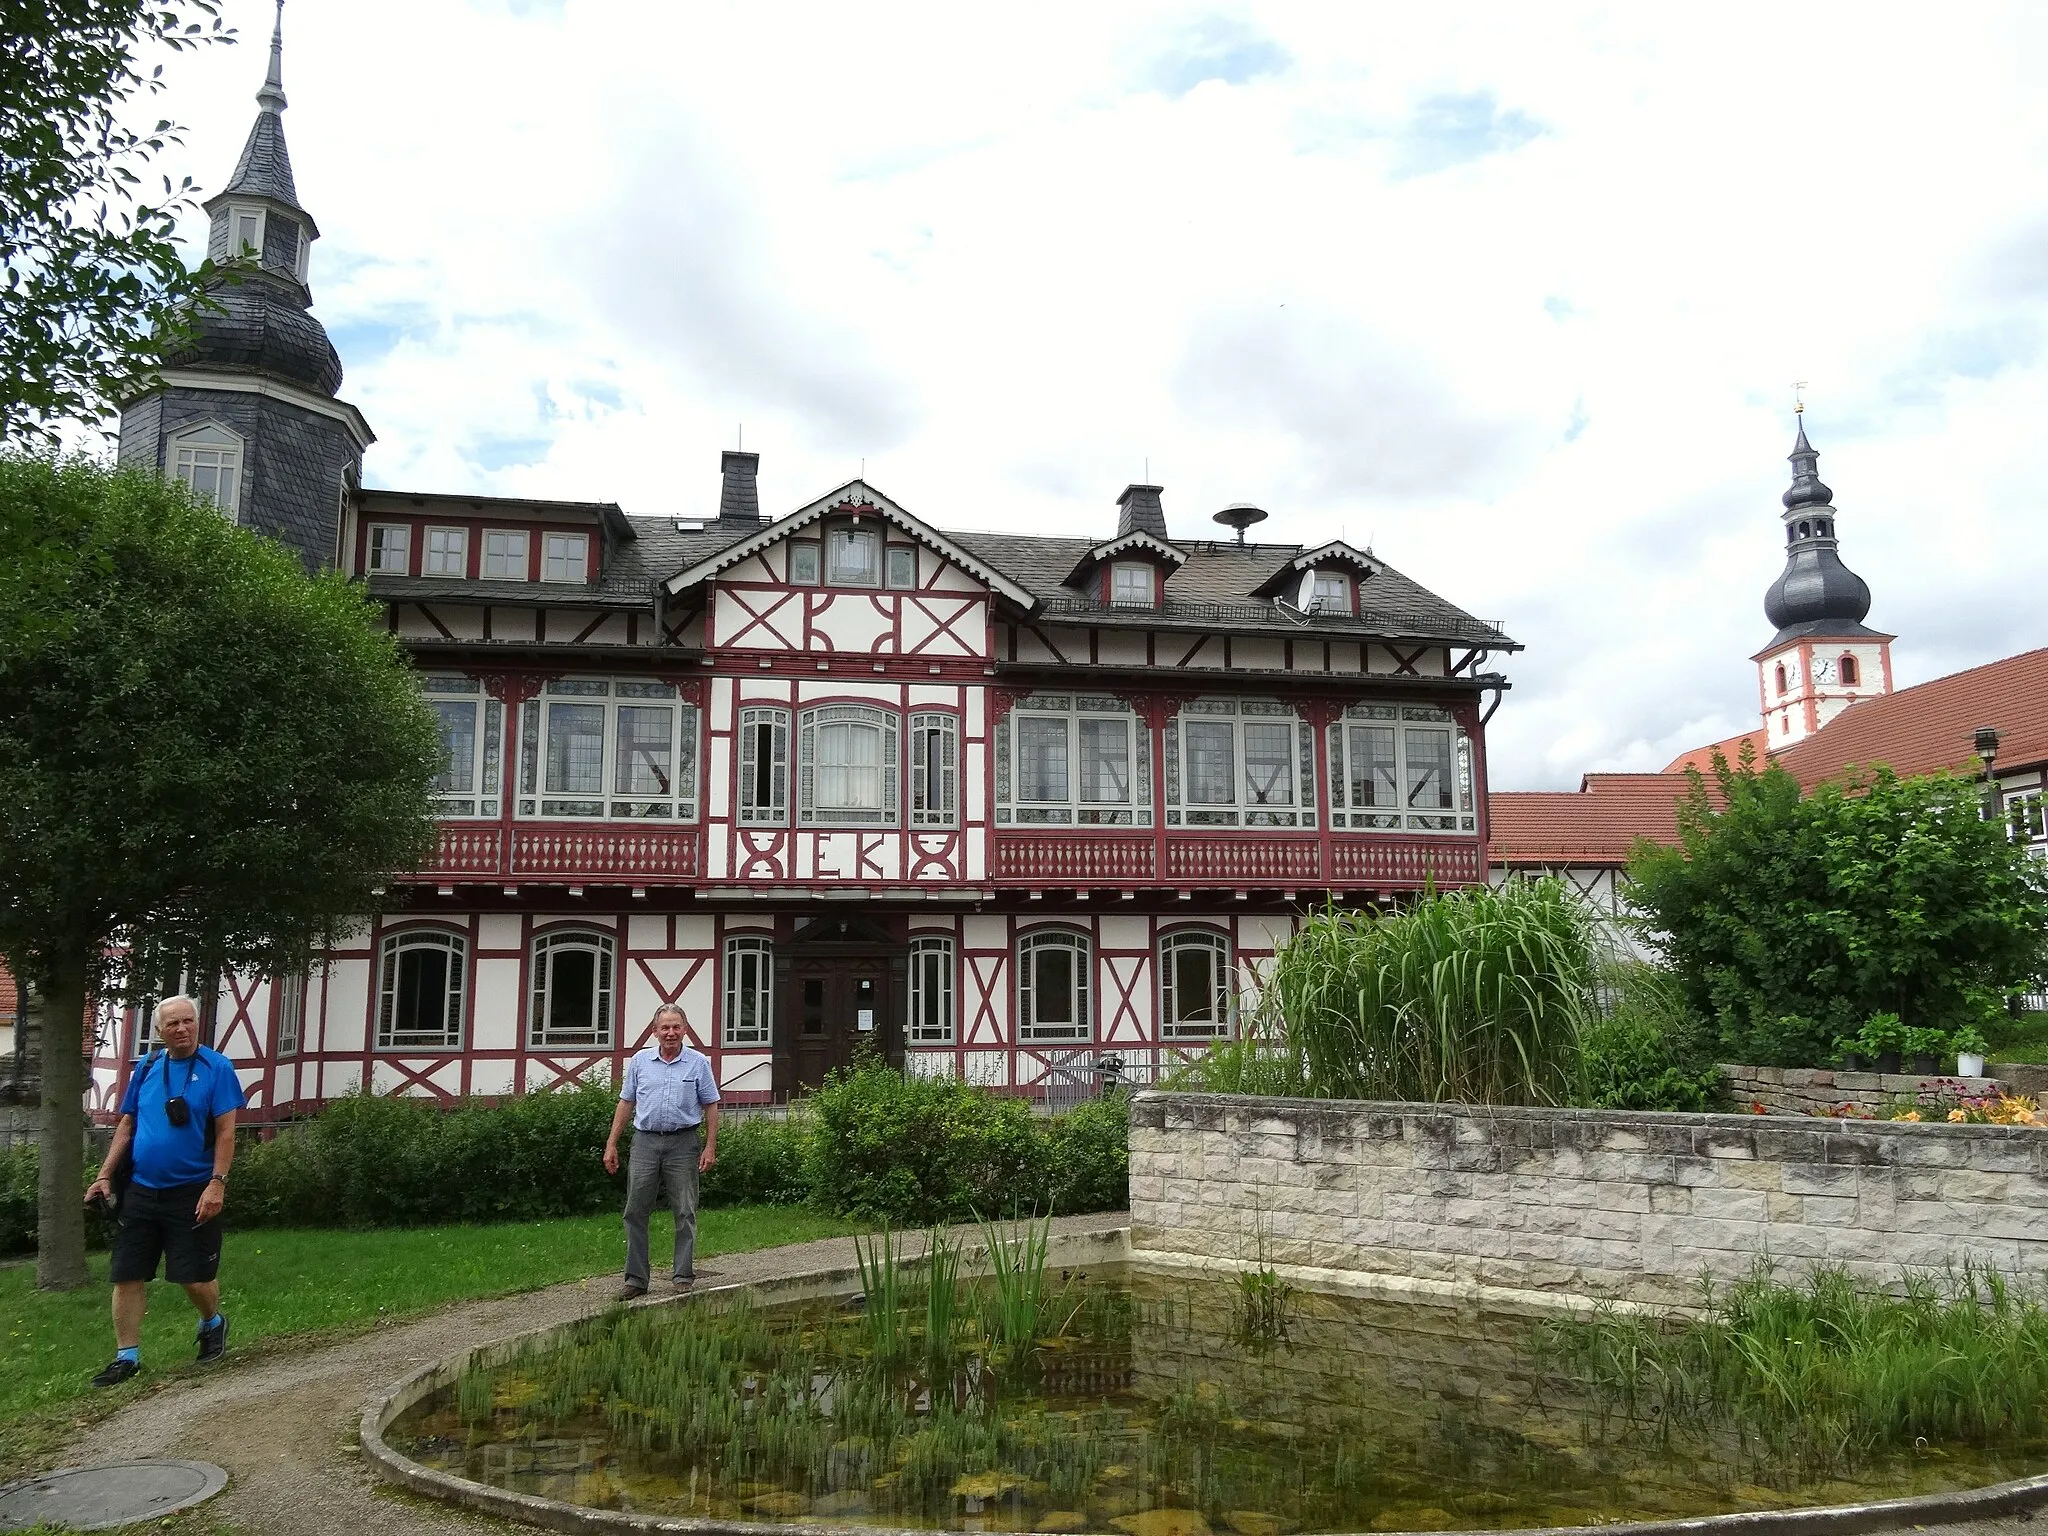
(1239, 763)
(1052, 986)
(447, 552)
(847, 762)
(572, 991)
(619, 747)
(420, 989)
(934, 770)
(749, 990)
(1068, 759)
(391, 548)
(1406, 766)
(291, 1014)
(209, 460)
(1194, 985)
(931, 989)
(565, 557)
(472, 728)
(764, 766)
(853, 557)
(505, 553)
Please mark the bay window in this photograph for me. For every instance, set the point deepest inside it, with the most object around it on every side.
(572, 991)
(1052, 986)
(1073, 760)
(847, 766)
(749, 991)
(472, 728)
(621, 748)
(931, 989)
(1239, 763)
(763, 767)
(1194, 985)
(934, 770)
(420, 989)
(1404, 766)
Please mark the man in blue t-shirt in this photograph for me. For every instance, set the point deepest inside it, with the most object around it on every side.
(671, 1095)
(177, 1132)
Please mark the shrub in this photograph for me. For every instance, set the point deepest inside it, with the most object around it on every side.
(918, 1150)
(761, 1161)
(1088, 1157)
(1262, 1060)
(1649, 1050)
(17, 1200)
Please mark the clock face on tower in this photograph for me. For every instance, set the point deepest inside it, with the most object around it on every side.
(1823, 671)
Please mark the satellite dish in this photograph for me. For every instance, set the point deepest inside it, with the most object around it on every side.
(1240, 515)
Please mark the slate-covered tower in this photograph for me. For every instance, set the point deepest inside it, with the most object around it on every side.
(246, 411)
(1823, 656)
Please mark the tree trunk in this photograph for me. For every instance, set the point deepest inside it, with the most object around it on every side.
(60, 1188)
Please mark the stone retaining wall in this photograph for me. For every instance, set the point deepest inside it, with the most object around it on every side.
(1806, 1090)
(1552, 1208)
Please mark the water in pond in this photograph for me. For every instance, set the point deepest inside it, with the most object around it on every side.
(1148, 1410)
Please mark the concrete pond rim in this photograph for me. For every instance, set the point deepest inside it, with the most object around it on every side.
(1070, 1251)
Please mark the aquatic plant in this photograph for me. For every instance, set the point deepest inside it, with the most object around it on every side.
(941, 1299)
(881, 1283)
(1823, 1375)
(1014, 1312)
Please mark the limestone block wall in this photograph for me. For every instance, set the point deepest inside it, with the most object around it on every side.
(1804, 1090)
(1555, 1207)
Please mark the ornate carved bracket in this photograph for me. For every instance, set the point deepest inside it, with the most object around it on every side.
(511, 687)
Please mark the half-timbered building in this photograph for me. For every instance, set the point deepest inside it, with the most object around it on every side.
(999, 805)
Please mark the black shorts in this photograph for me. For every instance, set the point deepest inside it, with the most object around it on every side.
(157, 1223)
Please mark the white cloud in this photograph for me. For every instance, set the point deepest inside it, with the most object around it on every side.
(1516, 292)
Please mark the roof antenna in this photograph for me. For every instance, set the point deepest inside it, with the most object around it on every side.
(743, 437)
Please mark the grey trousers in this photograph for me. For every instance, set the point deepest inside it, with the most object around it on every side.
(659, 1160)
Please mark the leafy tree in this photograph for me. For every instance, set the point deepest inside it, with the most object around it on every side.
(91, 285)
(1792, 919)
(204, 754)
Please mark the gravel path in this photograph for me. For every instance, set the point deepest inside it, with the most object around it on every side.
(284, 1426)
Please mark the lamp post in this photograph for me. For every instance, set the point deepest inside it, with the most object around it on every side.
(1987, 749)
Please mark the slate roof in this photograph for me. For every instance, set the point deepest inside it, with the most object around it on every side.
(265, 169)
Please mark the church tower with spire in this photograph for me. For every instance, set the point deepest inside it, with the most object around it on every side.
(246, 409)
(1823, 657)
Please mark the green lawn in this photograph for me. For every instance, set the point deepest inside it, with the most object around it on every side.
(277, 1282)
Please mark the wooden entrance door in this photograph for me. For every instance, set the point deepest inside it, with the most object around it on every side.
(843, 987)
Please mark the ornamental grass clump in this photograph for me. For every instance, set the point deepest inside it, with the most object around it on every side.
(1475, 996)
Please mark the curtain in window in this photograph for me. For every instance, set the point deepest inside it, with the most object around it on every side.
(1041, 759)
(855, 557)
(1211, 756)
(849, 767)
(1105, 760)
(1269, 763)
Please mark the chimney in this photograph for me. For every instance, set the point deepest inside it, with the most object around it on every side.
(738, 500)
(1141, 511)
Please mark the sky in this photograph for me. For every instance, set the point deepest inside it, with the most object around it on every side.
(1517, 295)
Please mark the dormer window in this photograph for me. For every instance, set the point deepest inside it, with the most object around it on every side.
(1131, 585)
(391, 548)
(505, 554)
(853, 557)
(566, 557)
(209, 460)
(1330, 593)
(447, 552)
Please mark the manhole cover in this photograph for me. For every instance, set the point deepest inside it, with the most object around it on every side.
(111, 1494)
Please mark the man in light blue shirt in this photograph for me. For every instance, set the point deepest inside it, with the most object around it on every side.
(671, 1096)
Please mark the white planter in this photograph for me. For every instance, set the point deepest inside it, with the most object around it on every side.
(1969, 1066)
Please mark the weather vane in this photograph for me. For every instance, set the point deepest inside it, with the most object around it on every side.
(1798, 398)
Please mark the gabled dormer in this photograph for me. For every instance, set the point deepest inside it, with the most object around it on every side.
(1327, 580)
(1129, 571)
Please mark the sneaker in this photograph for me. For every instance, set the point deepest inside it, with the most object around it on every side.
(117, 1371)
(213, 1342)
(630, 1292)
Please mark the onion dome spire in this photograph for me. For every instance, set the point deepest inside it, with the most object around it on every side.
(1815, 594)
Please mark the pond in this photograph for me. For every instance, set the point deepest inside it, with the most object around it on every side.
(1123, 1402)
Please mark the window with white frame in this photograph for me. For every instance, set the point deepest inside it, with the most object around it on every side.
(209, 460)
(1239, 763)
(1130, 585)
(572, 991)
(763, 766)
(934, 770)
(565, 557)
(1073, 760)
(505, 553)
(1194, 985)
(1331, 592)
(931, 989)
(472, 730)
(749, 991)
(1052, 986)
(447, 552)
(390, 548)
(853, 557)
(1405, 766)
(803, 562)
(245, 232)
(902, 566)
(847, 766)
(624, 748)
(420, 988)
(291, 1014)
(2026, 814)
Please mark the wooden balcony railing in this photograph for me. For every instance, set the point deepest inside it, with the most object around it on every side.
(596, 853)
(1074, 856)
(1406, 862)
(1258, 857)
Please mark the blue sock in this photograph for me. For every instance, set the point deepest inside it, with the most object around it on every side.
(211, 1322)
(132, 1354)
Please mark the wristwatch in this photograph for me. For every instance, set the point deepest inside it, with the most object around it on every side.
(220, 1178)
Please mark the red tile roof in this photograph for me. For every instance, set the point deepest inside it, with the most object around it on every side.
(1930, 726)
(1596, 825)
(1702, 758)
(9, 998)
